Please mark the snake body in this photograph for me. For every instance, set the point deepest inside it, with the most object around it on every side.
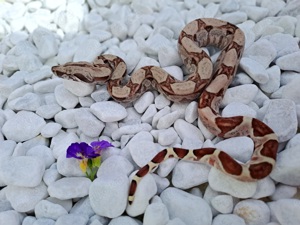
(203, 79)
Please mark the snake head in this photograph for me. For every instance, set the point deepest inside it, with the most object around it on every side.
(82, 71)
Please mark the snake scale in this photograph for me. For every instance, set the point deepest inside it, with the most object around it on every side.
(204, 81)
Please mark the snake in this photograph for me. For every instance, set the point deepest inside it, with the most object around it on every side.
(207, 81)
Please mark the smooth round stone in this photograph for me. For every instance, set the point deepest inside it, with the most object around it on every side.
(265, 188)
(187, 130)
(167, 137)
(65, 98)
(281, 116)
(223, 203)
(156, 213)
(143, 151)
(255, 70)
(50, 130)
(160, 114)
(291, 90)
(7, 148)
(69, 187)
(262, 51)
(23, 126)
(79, 89)
(44, 153)
(29, 102)
(149, 114)
(47, 209)
(253, 211)
(168, 56)
(48, 111)
(243, 94)
(51, 175)
(238, 109)
(286, 211)
(142, 103)
(274, 80)
(71, 219)
(287, 169)
(45, 41)
(104, 189)
(88, 123)
(11, 217)
(24, 199)
(255, 13)
(189, 174)
(115, 164)
(191, 112)
(122, 220)
(146, 189)
(161, 101)
(66, 118)
(289, 62)
(228, 219)
(283, 191)
(226, 184)
(109, 111)
(27, 170)
(175, 200)
(167, 121)
(130, 130)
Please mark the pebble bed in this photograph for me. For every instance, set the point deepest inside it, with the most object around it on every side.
(42, 115)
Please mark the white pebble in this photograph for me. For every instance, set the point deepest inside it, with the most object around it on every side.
(79, 89)
(262, 51)
(160, 114)
(228, 219)
(88, 123)
(71, 219)
(265, 188)
(47, 209)
(23, 199)
(65, 98)
(175, 200)
(108, 111)
(168, 56)
(48, 111)
(45, 42)
(130, 129)
(223, 203)
(274, 6)
(156, 213)
(28, 102)
(43, 152)
(282, 118)
(142, 103)
(243, 94)
(274, 80)
(189, 174)
(191, 112)
(69, 187)
(255, 13)
(28, 170)
(167, 120)
(66, 118)
(283, 191)
(226, 184)
(234, 17)
(119, 30)
(149, 114)
(238, 109)
(46, 86)
(187, 130)
(253, 211)
(146, 189)
(174, 71)
(38, 75)
(285, 211)
(10, 84)
(142, 151)
(255, 70)
(167, 137)
(161, 101)
(289, 62)
(94, 50)
(122, 220)
(50, 130)
(287, 171)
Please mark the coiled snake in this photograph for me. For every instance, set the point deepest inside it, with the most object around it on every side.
(211, 83)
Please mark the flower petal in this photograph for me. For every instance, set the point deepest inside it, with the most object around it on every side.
(83, 165)
(74, 151)
(100, 145)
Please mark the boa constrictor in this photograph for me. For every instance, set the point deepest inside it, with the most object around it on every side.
(211, 83)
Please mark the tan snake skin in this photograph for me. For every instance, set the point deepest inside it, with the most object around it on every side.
(203, 78)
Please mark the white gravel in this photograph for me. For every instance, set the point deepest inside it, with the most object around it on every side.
(41, 115)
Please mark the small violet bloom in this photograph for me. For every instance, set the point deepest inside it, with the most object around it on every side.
(89, 155)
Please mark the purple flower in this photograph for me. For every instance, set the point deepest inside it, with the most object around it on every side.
(81, 151)
(98, 146)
